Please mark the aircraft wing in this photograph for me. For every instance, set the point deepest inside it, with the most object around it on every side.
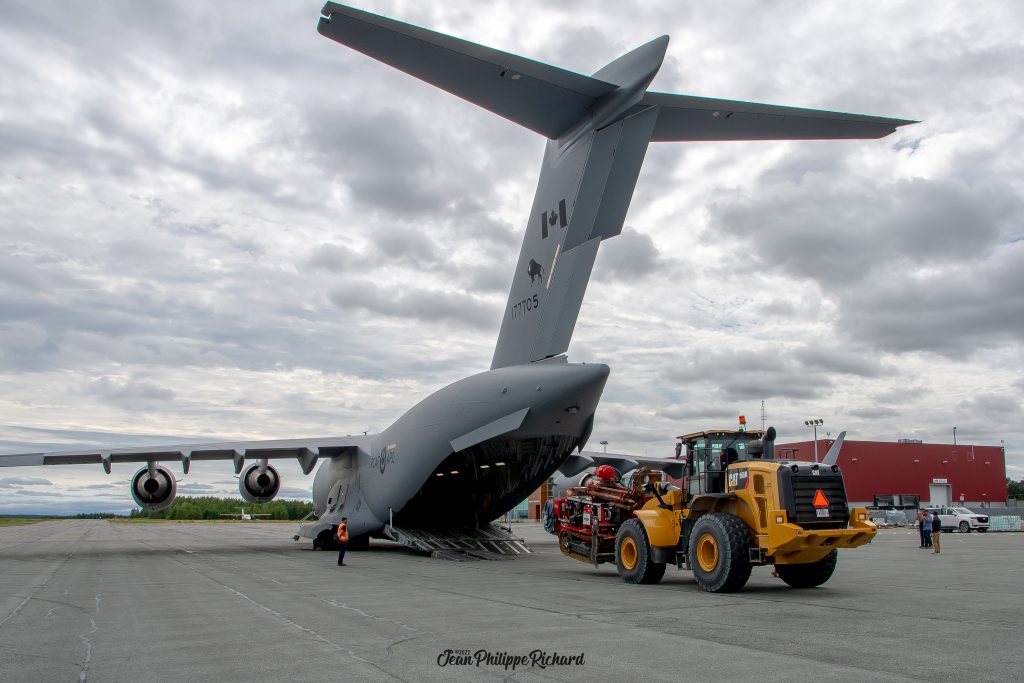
(543, 98)
(306, 451)
(684, 118)
(623, 463)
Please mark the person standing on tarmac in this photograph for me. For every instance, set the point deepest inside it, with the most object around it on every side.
(920, 527)
(936, 532)
(926, 526)
(342, 541)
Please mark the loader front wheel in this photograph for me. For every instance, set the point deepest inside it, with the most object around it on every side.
(719, 553)
(633, 555)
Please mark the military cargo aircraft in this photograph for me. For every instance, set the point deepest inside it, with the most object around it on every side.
(466, 454)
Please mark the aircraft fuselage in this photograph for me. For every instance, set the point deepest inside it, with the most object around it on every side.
(467, 453)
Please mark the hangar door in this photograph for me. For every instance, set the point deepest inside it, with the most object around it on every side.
(940, 494)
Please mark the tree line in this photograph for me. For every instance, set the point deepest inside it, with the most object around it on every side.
(202, 507)
(1014, 489)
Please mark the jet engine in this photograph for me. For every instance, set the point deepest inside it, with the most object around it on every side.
(154, 487)
(259, 483)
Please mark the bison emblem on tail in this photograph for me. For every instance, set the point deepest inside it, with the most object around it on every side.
(535, 271)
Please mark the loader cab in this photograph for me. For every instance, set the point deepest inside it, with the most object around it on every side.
(708, 455)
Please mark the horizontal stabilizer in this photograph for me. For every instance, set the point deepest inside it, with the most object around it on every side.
(503, 425)
(684, 118)
(833, 453)
(543, 98)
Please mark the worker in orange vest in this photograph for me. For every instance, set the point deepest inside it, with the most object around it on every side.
(342, 540)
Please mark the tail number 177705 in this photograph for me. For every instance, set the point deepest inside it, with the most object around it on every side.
(528, 304)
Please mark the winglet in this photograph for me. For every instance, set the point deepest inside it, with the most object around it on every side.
(833, 453)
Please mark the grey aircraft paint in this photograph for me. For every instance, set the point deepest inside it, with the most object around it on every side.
(466, 454)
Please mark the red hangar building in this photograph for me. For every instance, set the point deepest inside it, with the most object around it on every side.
(905, 473)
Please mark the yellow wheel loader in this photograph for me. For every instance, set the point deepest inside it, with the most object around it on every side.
(737, 507)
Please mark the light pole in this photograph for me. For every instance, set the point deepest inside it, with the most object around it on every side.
(605, 444)
(815, 423)
(954, 436)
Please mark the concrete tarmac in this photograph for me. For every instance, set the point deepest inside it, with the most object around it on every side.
(106, 601)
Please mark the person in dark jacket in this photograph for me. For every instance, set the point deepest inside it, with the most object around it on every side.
(936, 531)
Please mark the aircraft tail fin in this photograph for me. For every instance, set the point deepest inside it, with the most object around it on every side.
(833, 453)
(543, 98)
(598, 129)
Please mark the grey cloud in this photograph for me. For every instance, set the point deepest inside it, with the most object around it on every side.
(423, 304)
(193, 488)
(333, 257)
(487, 279)
(738, 375)
(632, 256)
(119, 390)
(863, 363)
(15, 482)
(874, 412)
(697, 412)
(837, 233)
(408, 244)
(952, 312)
(993, 405)
(381, 157)
(294, 492)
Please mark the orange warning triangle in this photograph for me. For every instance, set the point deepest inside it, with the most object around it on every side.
(820, 501)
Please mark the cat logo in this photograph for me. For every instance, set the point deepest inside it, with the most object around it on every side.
(738, 479)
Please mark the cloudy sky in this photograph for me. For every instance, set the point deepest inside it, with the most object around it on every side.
(216, 223)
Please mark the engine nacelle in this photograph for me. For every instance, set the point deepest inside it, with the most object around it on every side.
(156, 491)
(259, 487)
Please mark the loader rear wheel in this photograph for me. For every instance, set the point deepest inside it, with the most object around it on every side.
(633, 555)
(808, 575)
(719, 553)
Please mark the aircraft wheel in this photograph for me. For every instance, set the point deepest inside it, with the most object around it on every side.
(719, 553)
(358, 543)
(810, 574)
(326, 540)
(633, 555)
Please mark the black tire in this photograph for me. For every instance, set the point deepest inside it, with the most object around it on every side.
(808, 575)
(326, 540)
(358, 543)
(719, 553)
(965, 527)
(636, 565)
